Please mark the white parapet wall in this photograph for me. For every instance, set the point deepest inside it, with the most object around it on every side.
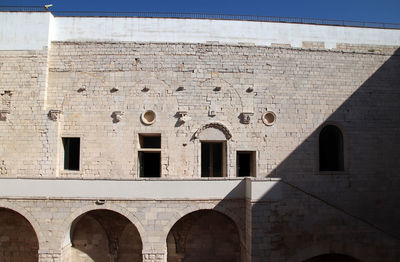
(149, 189)
(156, 189)
(25, 30)
(33, 31)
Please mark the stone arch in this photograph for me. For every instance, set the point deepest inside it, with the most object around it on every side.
(222, 128)
(19, 241)
(332, 257)
(199, 236)
(66, 241)
(316, 250)
(29, 217)
(207, 206)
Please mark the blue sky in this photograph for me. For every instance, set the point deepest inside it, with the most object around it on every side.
(357, 10)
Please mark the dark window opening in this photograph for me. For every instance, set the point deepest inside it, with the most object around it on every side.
(71, 153)
(245, 163)
(150, 163)
(211, 159)
(331, 156)
(150, 141)
(149, 155)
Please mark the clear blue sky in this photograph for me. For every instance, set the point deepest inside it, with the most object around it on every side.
(358, 10)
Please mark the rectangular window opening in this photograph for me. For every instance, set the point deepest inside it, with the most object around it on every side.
(71, 153)
(149, 164)
(212, 159)
(246, 163)
(149, 155)
(150, 141)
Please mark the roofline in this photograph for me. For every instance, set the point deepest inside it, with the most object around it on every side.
(204, 16)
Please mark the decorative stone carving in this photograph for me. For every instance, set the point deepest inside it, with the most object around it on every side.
(269, 118)
(54, 115)
(249, 89)
(114, 89)
(218, 126)
(100, 202)
(81, 89)
(148, 117)
(211, 112)
(245, 117)
(3, 115)
(117, 116)
(183, 117)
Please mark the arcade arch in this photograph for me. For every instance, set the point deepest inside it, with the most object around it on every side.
(103, 235)
(204, 235)
(332, 258)
(18, 240)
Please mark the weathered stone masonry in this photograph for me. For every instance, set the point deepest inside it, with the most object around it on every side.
(97, 89)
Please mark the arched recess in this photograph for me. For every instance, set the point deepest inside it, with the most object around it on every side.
(18, 239)
(204, 235)
(333, 257)
(101, 219)
(103, 235)
(208, 206)
(28, 216)
(315, 250)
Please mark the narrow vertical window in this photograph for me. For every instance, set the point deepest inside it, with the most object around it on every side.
(245, 163)
(149, 155)
(71, 153)
(331, 157)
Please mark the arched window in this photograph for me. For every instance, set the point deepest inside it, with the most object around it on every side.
(331, 155)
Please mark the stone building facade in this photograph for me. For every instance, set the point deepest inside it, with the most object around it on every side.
(155, 139)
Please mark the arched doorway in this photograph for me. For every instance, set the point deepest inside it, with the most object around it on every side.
(332, 258)
(204, 235)
(18, 240)
(104, 236)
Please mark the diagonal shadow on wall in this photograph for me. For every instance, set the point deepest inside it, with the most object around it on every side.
(354, 212)
(307, 213)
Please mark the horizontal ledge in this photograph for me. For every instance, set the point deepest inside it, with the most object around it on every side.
(149, 189)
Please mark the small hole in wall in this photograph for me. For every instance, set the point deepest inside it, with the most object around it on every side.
(148, 117)
(269, 118)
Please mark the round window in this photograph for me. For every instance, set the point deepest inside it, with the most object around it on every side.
(269, 118)
(148, 117)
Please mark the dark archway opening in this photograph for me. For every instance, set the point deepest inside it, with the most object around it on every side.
(332, 258)
(331, 153)
(204, 235)
(18, 240)
(104, 236)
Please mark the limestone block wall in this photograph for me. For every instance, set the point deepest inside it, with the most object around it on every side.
(298, 227)
(97, 91)
(294, 227)
(24, 132)
(303, 87)
(59, 223)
